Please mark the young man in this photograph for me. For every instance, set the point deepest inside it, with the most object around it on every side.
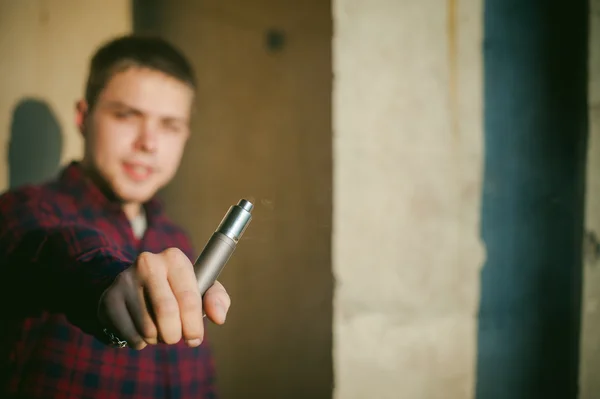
(100, 298)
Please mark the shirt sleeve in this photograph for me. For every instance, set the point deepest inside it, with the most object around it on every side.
(53, 264)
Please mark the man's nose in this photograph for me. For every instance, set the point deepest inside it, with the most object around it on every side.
(147, 138)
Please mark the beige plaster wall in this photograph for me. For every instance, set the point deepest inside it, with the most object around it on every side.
(45, 47)
(590, 335)
(407, 125)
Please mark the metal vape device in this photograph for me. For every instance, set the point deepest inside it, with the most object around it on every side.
(221, 244)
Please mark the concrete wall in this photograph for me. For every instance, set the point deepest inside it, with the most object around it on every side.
(263, 131)
(407, 185)
(590, 337)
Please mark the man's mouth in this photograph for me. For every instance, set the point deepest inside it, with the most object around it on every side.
(137, 172)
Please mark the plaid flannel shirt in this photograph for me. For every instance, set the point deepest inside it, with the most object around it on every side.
(62, 243)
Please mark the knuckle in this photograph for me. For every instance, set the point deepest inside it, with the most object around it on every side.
(148, 332)
(176, 259)
(166, 307)
(145, 257)
(124, 278)
(173, 254)
(189, 301)
(118, 281)
(144, 262)
(111, 298)
(147, 265)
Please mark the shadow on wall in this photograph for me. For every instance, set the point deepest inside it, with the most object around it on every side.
(35, 144)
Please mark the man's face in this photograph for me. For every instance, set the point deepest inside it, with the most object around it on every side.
(136, 132)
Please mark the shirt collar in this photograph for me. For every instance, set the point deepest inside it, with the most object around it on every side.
(88, 194)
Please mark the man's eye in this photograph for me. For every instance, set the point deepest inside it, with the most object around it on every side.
(124, 114)
(172, 127)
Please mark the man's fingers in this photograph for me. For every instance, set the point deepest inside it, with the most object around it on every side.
(216, 303)
(153, 274)
(121, 322)
(140, 314)
(158, 300)
(185, 288)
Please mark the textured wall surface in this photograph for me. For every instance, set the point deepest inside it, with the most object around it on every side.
(590, 335)
(407, 186)
(45, 47)
(262, 130)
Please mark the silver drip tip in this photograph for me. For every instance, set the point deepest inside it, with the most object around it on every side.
(236, 220)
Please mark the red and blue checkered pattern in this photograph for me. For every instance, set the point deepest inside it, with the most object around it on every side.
(62, 243)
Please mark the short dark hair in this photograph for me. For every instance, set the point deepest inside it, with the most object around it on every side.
(139, 51)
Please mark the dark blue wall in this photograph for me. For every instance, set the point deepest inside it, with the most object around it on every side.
(535, 56)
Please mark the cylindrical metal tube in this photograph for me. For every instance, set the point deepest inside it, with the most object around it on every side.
(221, 244)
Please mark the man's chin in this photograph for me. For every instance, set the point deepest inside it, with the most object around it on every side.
(135, 196)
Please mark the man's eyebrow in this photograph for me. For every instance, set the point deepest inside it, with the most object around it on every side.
(121, 105)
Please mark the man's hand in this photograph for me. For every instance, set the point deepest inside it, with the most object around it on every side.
(157, 300)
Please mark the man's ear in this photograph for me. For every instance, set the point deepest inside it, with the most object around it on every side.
(81, 113)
